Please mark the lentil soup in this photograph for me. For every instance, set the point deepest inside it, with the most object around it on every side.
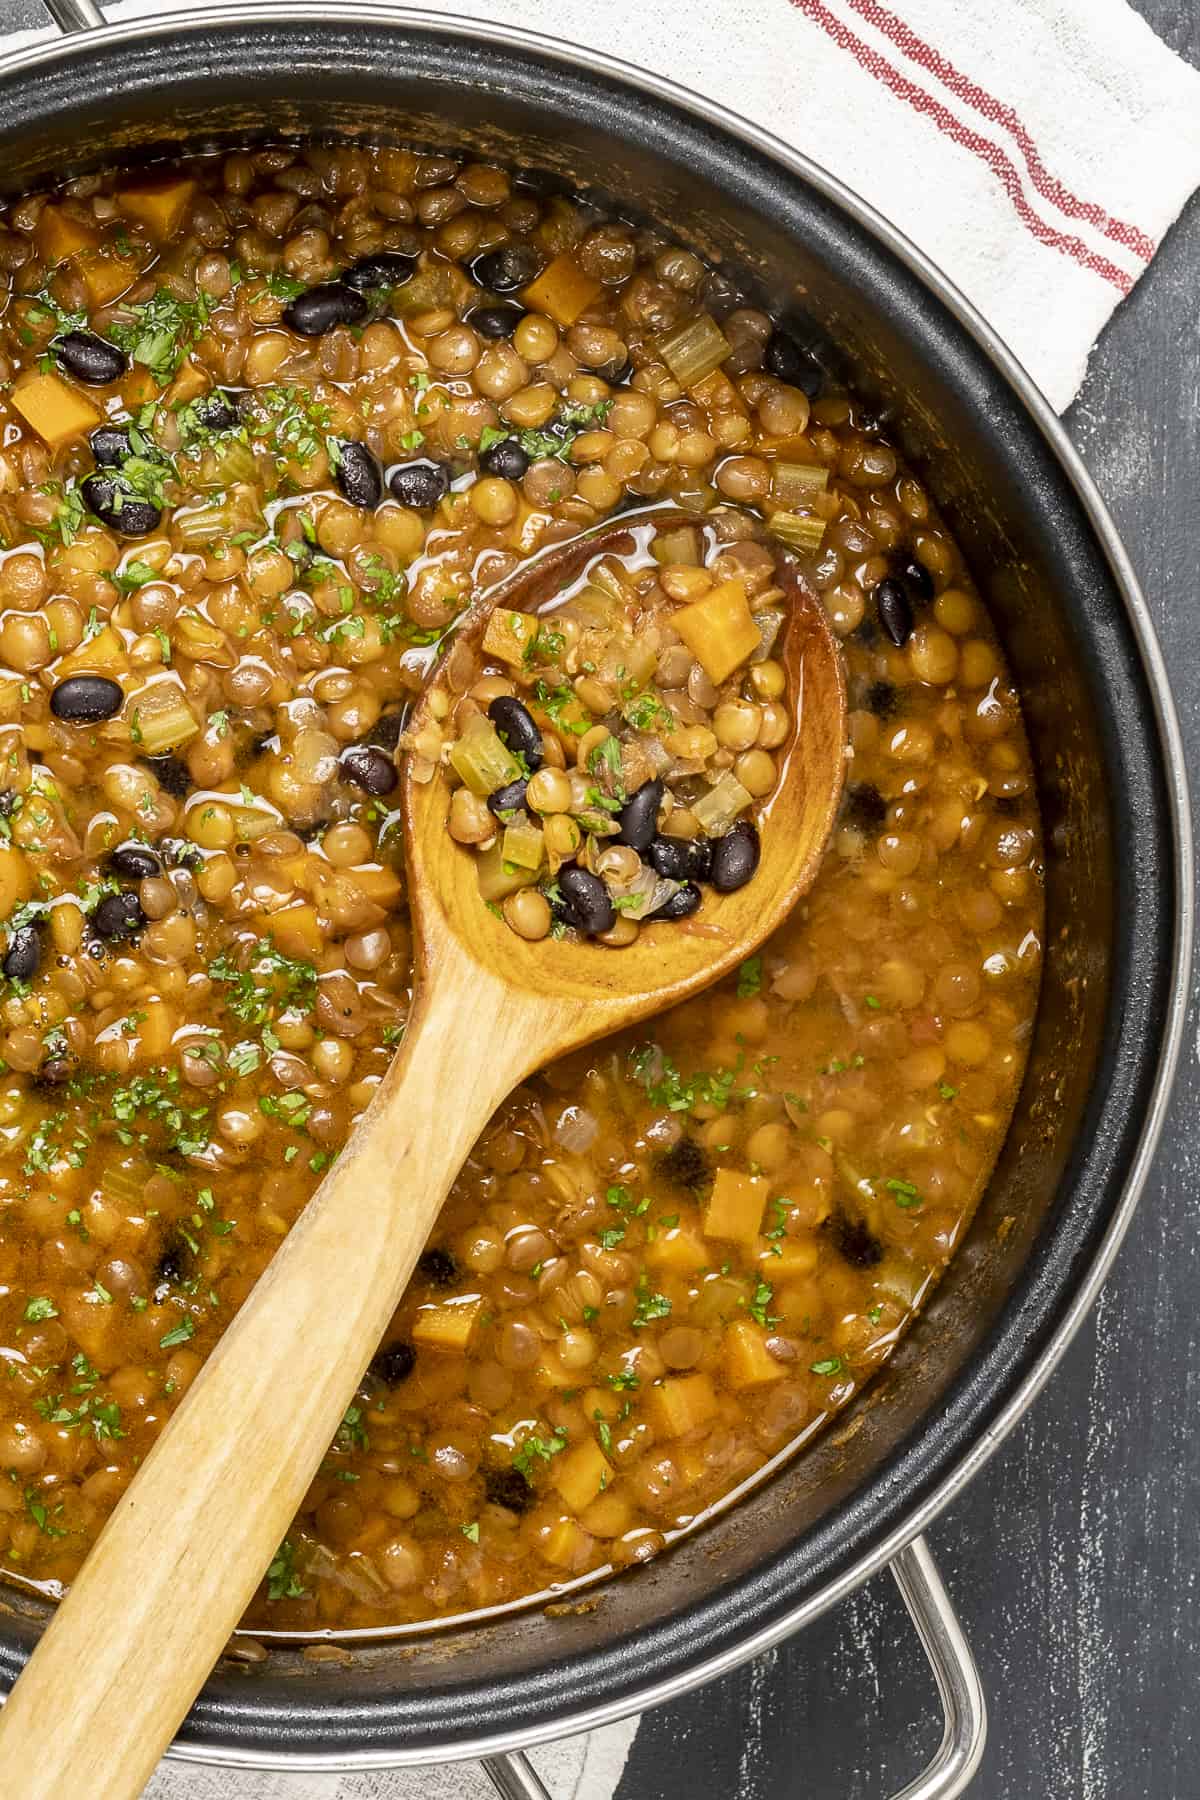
(268, 421)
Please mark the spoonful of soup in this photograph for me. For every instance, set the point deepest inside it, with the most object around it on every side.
(617, 782)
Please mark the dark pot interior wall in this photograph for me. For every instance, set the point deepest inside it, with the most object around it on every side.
(1090, 718)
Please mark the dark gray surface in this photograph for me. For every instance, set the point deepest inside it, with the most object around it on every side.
(1073, 1560)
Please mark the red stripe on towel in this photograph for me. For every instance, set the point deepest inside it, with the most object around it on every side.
(1000, 164)
(997, 113)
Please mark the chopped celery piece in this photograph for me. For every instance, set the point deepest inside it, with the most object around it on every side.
(609, 580)
(233, 461)
(524, 846)
(801, 533)
(795, 483)
(719, 630)
(125, 1183)
(481, 761)
(160, 718)
(694, 350)
(225, 516)
(680, 547)
(498, 878)
(509, 635)
(722, 804)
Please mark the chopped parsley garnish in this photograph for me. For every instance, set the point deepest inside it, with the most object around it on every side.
(282, 1580)
(535, 1449)
(749, 980)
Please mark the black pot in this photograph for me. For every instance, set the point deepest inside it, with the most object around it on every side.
(1111, 785)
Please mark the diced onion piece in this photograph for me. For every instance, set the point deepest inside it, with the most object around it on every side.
(610, 581)
(719, 629)
(160, 718)
(509, 635)
(902, 1280)
(447, 1324)
(795, 529)
(680, 547)
(562, 290)
(694, 350)
(524, 846)
(769, 623)
(481, 761)
(794, 484)
(722, 804)
(498, 878)
(577, 1129)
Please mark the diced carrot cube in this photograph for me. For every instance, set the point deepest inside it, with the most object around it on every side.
(380, 885)
(581, 1474)
(791, 1256)
(57, 411)
(296, 930)
(158, 204)
(680, 1405)
(508, 635)
(447, 1324)
(719, 630)
(568, 1546)
(94, 657)
(610, 1514)
(59, 234)
(717, 394)
(189, 384)
(562, 290)
(735, 1208)
(105, 276)
(679, 1248)
(746, 1362)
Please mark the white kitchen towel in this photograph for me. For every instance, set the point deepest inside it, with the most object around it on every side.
(1036, 150)
(579, 1768)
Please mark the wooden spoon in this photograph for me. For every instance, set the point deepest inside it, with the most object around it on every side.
(170, 1576)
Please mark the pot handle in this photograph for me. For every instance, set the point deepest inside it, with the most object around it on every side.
(75, 15)
(963, 1705)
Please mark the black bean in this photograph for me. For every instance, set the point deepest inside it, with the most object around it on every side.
(358, 475)
(128, 514)
(508, 1488)
(681, 859)
(393, 1365)
(895, 611)
(881, 699)
(785, 360)
(505, 270)
(89, 358)
(320, 308)
(216, 411)
(638, 818)
(387, 729)
(119, 916)
(507, 799)
(496, 321)
(135, 862)
(735, 857)
(855, 1242)
(24, 953)
(8, 802)
(419, 484)
(181, 854)
(516, 728)
(86, 699)
(110, 445)
(172, 775)
(589, 908)
(55, 1072)
(681, 905)
(385, 270)
(916, 578)
(686, 1163)
(865, 807)
(369, 768)
(172, 1265)
(438, 1267)
(506, 459)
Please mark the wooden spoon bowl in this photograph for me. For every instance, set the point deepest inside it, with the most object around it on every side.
(185, 1548)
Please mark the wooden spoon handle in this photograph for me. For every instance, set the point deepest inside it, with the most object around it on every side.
(174, 1568)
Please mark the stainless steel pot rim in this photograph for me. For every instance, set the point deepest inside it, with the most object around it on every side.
(1166, 720)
